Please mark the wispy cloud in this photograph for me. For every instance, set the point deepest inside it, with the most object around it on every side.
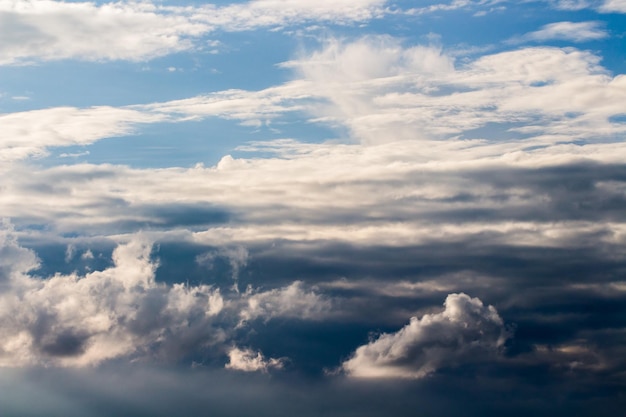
(138, 31)
(565, 31)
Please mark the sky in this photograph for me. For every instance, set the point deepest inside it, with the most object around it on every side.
(313, 207)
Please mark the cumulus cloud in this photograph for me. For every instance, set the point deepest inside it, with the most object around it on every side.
(247, 360)
(123, 312)
(466, 330)
(567, 31)
(71, 320)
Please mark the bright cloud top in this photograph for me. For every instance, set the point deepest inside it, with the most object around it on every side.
(121, 311)
(465, 330)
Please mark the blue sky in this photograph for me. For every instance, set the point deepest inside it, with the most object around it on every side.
(413, 203)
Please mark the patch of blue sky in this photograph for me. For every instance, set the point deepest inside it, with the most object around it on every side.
(177, 76)
(185, 144)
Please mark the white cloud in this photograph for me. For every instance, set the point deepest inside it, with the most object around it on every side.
(247, 360)
(28, 134)
(613, 6)
(15, 261)
(291, 301)
(572, 4)
(382, 92)
(273, 13)
(465, 330)
(567, 31)
(451, 6)
(52, 30)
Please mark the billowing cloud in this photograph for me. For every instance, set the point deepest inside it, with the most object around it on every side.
(72, 320)
(247, 360)
(465, 330)
(122, 311)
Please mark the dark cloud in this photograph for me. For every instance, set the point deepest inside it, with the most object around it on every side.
(135, 390)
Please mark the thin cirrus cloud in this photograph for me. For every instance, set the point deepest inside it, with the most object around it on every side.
(565, 31)
(613, 6)
(606, 6)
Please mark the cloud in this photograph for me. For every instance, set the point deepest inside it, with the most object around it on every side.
(71, 320)
(451, 6)
(605, 6)
(247, 360)
(382, 92)
(52, 30)
(138, 31)
(291, 301)
(15, 261)
(123, 312)
(566, 31)
(465, 331)
(571, 4)
(613, 6)
(28, 134)
(276, 13)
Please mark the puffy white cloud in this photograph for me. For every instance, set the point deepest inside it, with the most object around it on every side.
(247, 360)
(466, 330)
(72, 320)
(568, 31)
